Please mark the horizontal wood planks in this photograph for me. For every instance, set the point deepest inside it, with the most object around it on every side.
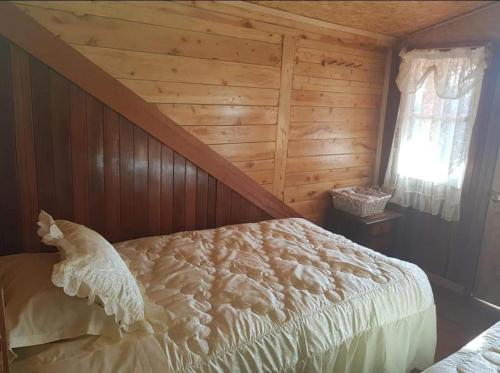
(136, 36)
(184, 93)
(66, 152)
(174, 16)
(220, 115)
(218, 70)
(203, 70)
(168, 68)
(336, 99)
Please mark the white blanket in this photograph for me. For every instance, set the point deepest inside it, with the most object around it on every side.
(280, 295)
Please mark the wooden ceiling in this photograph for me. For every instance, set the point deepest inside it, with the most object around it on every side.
(394, 18)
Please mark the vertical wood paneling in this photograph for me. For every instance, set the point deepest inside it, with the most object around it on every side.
(79, 154)
(96, 163)
(111, 131)
(236, 213)
(126, 178)
(383, 110)
(190, 196)
(223, 205)
(201, 199)
(179, 205)
(60, 115)
(9, 211)
(391, 115)
(40, 99)
(154, 186)
(80, 160)
(248, 210)
(167, 189)
(253, 212)
(211, 202)
(25, 146)
(140, 182)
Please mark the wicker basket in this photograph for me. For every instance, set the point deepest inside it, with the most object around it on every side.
(358, 201)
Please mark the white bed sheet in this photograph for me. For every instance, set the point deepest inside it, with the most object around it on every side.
(281, 295)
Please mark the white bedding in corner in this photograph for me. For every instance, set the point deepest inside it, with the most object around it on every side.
(281, 295)
(481, 355)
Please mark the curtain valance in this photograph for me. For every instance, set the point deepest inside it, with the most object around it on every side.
(455, 71)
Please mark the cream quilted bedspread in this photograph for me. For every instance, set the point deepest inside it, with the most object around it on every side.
(280, 295)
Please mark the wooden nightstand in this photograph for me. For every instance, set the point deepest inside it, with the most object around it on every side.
(378, 232)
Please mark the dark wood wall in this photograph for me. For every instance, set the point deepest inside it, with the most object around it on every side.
(426, 240)
(451, 249)
(64, 151)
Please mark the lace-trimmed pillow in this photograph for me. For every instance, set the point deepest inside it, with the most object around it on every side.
(92, 268)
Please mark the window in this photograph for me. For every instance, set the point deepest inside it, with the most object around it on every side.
(439, 98)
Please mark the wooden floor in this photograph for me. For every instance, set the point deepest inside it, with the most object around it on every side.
(460, 320)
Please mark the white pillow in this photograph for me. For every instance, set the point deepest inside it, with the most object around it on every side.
(92, 268)
(37, 312)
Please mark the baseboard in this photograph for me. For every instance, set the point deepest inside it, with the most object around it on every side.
(445, 283)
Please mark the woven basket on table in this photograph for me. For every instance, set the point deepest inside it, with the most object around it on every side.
(358, 201)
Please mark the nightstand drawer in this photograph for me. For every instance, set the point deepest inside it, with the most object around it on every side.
(378, 232)
(381, 228)
(383, 243)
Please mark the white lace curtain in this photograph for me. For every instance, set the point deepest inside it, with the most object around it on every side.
(439, 98)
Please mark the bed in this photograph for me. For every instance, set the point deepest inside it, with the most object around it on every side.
(482, 354)
(280, 295)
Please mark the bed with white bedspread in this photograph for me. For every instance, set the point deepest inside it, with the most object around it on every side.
(481, 355)
(280, 295)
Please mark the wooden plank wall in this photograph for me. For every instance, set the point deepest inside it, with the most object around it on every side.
(64, 151)
(334, 122)
(297, 119)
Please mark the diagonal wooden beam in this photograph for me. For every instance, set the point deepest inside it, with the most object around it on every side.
(41, 43)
